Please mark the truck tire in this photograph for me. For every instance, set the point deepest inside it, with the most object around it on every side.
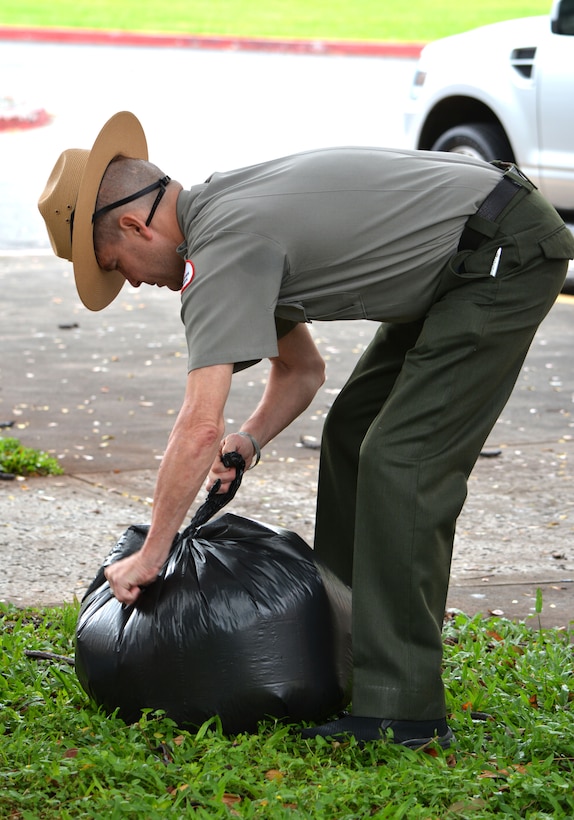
(482, 140)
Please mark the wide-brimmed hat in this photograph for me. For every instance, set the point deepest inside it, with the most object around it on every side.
(69, 200)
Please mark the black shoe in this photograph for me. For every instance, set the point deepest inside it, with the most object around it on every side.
(414, 734)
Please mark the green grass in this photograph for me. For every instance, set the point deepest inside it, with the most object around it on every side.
(420, 20)
(61, 758)
(20, 460)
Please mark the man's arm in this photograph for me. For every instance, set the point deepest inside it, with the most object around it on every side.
(192, 446)
(296, 374)
(195, 445)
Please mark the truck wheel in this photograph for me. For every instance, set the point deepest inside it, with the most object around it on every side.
(482, 140)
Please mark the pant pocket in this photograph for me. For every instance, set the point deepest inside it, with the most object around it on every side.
(558, 245)
(463, 269)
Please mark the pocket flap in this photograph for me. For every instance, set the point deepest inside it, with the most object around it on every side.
(559, 244)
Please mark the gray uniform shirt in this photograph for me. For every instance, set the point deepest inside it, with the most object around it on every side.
(341, 233)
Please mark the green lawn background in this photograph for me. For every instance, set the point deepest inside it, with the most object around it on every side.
(375, 20)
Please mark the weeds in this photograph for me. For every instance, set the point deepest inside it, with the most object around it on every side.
(19, 460)
(510, 692)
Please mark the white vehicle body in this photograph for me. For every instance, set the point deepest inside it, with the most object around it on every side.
(503, 91)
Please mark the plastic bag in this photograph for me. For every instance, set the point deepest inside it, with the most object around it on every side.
(242, 623)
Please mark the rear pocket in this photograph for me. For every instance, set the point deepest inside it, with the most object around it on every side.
(559, 244)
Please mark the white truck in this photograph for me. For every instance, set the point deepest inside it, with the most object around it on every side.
(503, 91)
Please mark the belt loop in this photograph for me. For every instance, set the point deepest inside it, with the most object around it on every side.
(513, 172)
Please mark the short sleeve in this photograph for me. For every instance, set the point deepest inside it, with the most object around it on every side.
(229, 296)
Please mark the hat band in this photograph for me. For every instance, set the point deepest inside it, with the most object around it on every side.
(161, 184)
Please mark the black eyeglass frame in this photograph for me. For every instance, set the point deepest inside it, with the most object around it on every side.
(161, 184)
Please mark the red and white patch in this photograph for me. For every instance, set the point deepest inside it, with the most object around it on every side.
(188, 274)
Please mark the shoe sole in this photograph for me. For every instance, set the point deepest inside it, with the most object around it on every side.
(444, 741)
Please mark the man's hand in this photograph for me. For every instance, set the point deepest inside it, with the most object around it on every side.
(230, 444)
(128, 576)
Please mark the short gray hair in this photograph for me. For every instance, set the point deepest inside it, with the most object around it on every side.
(123, 177)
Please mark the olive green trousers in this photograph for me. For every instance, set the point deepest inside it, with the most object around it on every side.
(402, 438)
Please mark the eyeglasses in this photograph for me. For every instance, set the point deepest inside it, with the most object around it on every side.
(161, 184)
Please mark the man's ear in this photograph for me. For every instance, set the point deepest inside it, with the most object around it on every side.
(132, 222)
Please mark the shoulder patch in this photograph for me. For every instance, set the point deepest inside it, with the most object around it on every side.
(188, 274)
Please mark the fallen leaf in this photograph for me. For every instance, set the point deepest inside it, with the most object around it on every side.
(490, 773)
(231, 799)
(274, 775)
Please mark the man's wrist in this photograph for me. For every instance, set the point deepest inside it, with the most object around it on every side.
(256, 447)
(154, 553)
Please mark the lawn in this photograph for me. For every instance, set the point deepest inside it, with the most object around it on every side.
(420, 20)
(510, 694)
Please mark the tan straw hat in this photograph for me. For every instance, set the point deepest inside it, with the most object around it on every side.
(69, 200)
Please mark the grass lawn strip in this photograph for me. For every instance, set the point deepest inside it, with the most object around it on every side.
(510, 697)
(420, 21)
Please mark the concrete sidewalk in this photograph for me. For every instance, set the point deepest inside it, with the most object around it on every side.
(101, 390)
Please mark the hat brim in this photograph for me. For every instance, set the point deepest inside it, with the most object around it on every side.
(121, 135)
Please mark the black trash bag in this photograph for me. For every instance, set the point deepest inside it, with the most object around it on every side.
(242, 623)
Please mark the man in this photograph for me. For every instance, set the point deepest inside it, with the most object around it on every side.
(458, 260)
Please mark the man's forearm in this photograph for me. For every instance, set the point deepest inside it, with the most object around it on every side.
(191, 449)
(182, 473)
(289, 391)
(192, 446)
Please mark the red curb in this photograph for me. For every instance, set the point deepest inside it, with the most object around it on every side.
(349, 48)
